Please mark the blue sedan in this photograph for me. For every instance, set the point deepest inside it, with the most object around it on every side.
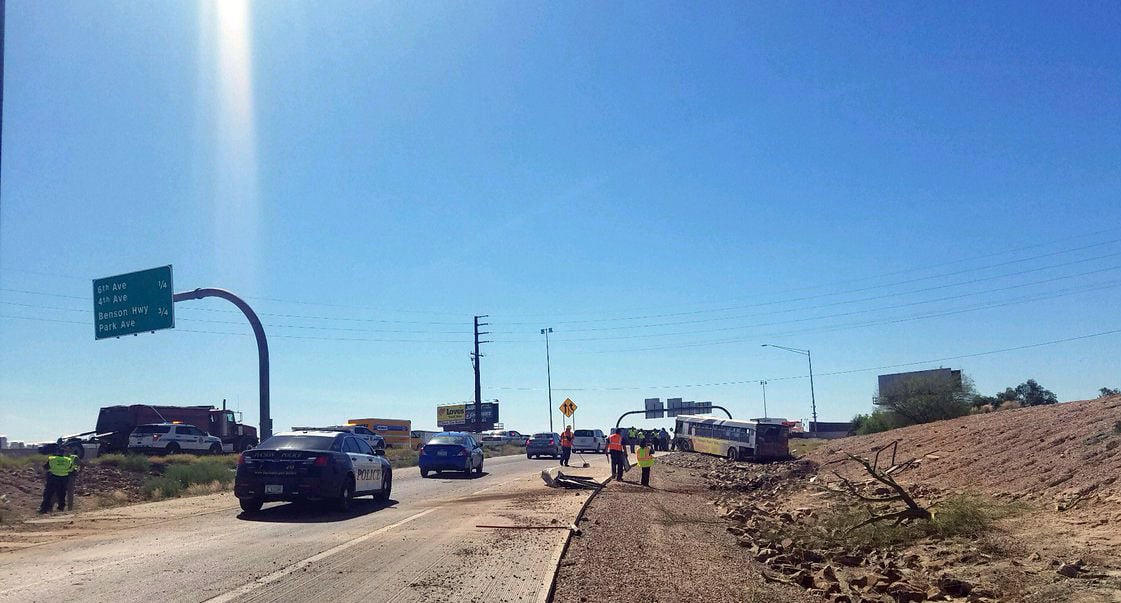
(451, 451)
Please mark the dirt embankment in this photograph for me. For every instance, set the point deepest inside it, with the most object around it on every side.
(1025, 506)
(1058, 452)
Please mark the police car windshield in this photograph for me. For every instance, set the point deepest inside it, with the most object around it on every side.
(298, 442)
(447, 440)
(583, 433)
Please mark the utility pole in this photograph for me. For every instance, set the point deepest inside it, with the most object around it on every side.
(477, 427)
(764, 384)
(809, 358)
(549, 375)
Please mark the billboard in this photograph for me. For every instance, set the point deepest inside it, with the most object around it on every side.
(918, 383)
(463, 414)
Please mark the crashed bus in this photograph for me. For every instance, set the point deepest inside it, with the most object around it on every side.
(760, 439)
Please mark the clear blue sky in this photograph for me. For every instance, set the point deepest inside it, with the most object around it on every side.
(882, 184)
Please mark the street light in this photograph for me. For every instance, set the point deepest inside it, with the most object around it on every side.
(549, 375)
(813, 402)
(764, 384)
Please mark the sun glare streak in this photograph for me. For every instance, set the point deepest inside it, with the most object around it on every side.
(226, 70)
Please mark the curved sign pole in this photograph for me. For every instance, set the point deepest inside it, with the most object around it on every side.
(262, 346)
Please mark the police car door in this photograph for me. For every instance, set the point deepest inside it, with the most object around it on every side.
(187, 437)
(375, 464)
(359, 462)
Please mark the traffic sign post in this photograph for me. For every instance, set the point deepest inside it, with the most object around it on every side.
(132, 303)
(568, 408)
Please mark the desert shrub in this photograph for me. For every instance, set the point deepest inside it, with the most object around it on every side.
(201, 472)
(178, 478)
(965, 516)
(19, 462)
(126, 462)
(1011, 405)
(158, 488)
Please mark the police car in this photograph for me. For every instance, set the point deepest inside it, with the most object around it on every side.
(172, 438)
(318, 465)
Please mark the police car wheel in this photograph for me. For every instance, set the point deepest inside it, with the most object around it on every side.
(424, 473)
(386, 487)
(172, 448)
(346, 496)
(250, 505)
(215, 449)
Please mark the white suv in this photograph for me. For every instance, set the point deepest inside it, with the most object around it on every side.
(588, 440)
(172, 438)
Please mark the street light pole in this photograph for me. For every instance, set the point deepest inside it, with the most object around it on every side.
(764, 384)
(549, 375)
(809, 358)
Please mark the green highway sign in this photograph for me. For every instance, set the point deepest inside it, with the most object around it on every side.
(132, 303)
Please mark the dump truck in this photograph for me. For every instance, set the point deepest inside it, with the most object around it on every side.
(115, 423)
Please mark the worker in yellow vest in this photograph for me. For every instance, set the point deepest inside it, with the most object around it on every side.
(646, 461)
(59, 467)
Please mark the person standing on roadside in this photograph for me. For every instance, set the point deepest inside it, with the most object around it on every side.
(566, 446)
(646, 460)
(618, 454)
(59, 466)
(663, 440)
(632, 436)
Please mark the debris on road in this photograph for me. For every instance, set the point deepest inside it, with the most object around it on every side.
(555, 479)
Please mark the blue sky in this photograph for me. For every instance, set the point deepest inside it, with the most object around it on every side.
(881, 184)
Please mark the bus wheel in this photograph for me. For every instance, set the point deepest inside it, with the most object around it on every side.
(732, 454)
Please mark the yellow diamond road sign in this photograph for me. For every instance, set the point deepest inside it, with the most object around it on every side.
(568, 407)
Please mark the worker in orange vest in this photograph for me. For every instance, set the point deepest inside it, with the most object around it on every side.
(618, 455)
(566, 446)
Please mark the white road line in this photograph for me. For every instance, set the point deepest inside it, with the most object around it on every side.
(273, 577)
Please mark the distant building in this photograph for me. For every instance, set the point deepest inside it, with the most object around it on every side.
(917, 382)
(3, 442)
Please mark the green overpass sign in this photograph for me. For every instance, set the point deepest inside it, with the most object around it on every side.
(132, 303)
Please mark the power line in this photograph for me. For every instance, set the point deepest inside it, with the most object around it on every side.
(832, 294)
(829, 329)
(829, 373)
(875, 297)
(1002, 252)
(1049, 295)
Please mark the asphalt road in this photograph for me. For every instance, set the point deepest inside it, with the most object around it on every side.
(422, 546)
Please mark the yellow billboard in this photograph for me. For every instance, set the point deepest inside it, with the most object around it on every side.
(451, 414)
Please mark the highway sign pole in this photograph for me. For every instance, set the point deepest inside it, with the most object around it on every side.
(262, 347)
(549, 375)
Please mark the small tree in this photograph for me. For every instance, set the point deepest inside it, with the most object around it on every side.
(923, 399)
(1107, 392)
(1031, 393)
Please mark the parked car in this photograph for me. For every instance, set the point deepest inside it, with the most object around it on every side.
(333, 466)
(543, 444)
(501, 437)
(172, 438)
(589, 440)
(451, 451)
(360, 431)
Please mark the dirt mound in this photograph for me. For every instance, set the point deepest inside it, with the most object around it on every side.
(1062, 452)
(21, 489)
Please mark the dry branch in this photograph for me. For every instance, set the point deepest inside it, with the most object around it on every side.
(912, 510)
